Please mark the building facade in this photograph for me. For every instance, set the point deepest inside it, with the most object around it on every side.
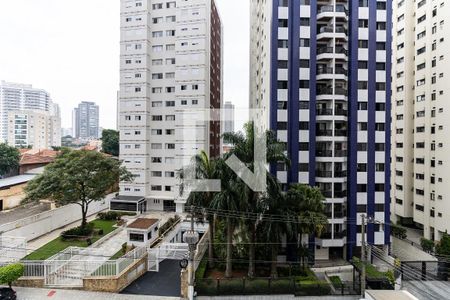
(229, 117)
(85, 121)
(171, 62)
(421, 125)
(320, 76)
(35, 129)
(19, 97)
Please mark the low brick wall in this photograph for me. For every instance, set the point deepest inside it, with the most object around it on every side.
(118, 283)
(31, 282)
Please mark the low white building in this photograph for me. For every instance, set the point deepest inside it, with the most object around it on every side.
(142, 232)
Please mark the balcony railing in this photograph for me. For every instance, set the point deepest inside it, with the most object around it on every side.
(324, 112)
(323, 132)
(324, 153)
(340, 153)
(340, 132)
(340, 194)
(325, 91)
(324, 174)
(323, 50)
(340, 174)
(323, 70)
(327, 194)
(340, 91)
(341, 71)
(339, 214)
(340, 234)
(326, 8)
(340, 112)
(326, 29)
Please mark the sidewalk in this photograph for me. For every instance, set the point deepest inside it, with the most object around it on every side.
(54, 294)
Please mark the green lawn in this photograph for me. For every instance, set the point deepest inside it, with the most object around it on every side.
(58, 244)
(371, 271)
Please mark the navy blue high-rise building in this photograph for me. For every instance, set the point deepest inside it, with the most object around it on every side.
(321, 78)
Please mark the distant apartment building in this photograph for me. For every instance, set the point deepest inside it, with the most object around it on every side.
(85, 121)
(421, 116)
(171, 62)
(229, 117)
(20, 97)
(35, 129)
(320, 76)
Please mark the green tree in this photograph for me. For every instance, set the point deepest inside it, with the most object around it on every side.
(427, 245)
(231, 198)
(243, 146)
(9, 159)
(443, 247)
(10, 273)
(110, 142)
(79, 177)
(308, 206)
(204, 168)
(275, 204)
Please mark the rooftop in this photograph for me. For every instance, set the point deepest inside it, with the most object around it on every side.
(128, 198)
(143, 223)
(15, 180)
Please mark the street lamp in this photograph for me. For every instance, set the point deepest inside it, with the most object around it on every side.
(191, 238)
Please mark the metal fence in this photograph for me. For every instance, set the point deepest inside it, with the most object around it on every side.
(31, 268)
(261, 286)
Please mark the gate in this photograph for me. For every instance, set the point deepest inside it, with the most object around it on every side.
(173, 251)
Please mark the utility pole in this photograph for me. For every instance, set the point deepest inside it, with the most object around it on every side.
(363, 256)
(191, 238)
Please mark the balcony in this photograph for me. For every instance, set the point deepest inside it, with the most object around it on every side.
(340, 112)
(340, 194)
(324, 153)
(340, 153)
(324, 174)
(323, 70)
(324, 112)
(339, 214)
(340, 132)
(327, 194)
(340, 174)
(324, 132)
(340, 234)
(324, 91)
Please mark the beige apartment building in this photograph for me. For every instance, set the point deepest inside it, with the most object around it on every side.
(421, 115)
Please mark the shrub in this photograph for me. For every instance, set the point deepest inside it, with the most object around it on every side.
(10, 273)
(398, 232)
(168, 224)
(427, 245)
(78, 232)
(109, 216)
(201, 270)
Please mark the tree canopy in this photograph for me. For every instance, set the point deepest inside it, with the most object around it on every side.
(110, 142)
(79, 177)
(9, 159)
(10, 273)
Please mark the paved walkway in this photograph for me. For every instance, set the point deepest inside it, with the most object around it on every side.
(166, 282)
(22, 212)
(53, 294)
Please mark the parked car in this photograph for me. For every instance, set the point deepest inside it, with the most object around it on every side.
(7, 294)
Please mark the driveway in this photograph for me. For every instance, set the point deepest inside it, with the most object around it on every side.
(165, 283)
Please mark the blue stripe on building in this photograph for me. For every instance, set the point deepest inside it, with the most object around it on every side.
(353, 128)
(312, 93)
(274, 75)
(387, 183)
(371, 118)
(293, 88)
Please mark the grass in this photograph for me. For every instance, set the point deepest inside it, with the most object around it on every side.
(371, 271)
(57, 245)
(336, 281)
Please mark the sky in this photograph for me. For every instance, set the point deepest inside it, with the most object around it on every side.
(71, 49)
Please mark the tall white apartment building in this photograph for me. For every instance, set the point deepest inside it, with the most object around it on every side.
(421, 115)
(85, 121)
(19, 97)
(36, 129)
(229, 117)
(171, 61)
(320, 75)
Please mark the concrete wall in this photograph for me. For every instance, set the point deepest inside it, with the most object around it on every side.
(118, 283)
(43, 223)
(12, 196)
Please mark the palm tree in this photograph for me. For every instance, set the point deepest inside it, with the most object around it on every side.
(275, 204)
(201, 167)
(243, 146)
(309, 207)
(230, 199)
